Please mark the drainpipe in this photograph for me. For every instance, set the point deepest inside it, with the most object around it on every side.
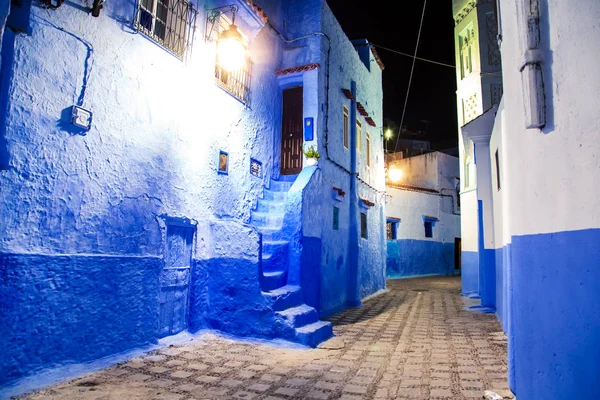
(352, 289)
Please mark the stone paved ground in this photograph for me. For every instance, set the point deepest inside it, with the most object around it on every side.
(413, 342)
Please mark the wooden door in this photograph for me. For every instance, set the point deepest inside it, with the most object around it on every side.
(291, 132)
(175, 280)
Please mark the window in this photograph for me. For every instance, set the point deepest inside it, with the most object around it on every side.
(236, 82)
(336, 218)
(368, 148)
(363, 226)
(167, 22)
(497, 170)
(346, 128)
(466, 41)
(428, 229)
(391, 228)
(358, 136)
(428, 223)
(469, 173)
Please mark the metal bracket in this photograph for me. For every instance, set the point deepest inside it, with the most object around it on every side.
(212, 19)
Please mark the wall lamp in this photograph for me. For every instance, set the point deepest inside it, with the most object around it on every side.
(231, 51)
(394, 174)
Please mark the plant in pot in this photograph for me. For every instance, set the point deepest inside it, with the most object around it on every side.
(312, 156)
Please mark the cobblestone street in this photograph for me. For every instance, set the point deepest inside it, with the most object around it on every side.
(415, 342)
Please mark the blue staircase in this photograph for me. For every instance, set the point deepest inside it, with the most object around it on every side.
(298, 321)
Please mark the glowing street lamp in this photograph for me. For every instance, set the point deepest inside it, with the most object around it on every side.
(388, 134)
(231, 51)
(394, 174)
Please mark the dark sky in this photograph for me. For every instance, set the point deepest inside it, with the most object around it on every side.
(433, 90)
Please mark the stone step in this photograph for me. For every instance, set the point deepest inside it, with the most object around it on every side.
(315, 333)
(273, 280)
(262, 219)
(270, 234)
(300, 315)
(285, 297)
(270, 206)
(275, 255)
(272, 195)
(280, 186)
(287, 178)
(275, 246)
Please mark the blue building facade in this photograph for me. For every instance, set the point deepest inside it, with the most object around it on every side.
(538, 221)
(146, 190)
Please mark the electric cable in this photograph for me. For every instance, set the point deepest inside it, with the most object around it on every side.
(414, 57)
(412, 69)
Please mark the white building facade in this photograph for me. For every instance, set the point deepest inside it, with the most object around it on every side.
(537, 157)
(423, 217)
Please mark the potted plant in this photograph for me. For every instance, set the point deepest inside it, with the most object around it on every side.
(312, 156)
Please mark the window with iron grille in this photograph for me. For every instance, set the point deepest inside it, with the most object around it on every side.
(363, 226)
(336, 218)
(358, 136)
(391, 228)
(346, 128)
(236, 82)
(368, 149)
(170, 23)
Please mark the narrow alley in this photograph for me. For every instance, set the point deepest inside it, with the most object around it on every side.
(416, 341)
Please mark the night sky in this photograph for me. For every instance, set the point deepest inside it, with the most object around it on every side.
(433, 90)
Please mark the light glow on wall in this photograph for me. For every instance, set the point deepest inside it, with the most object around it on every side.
(394, 174)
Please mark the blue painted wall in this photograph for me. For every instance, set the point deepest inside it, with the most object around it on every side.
(367, 268)
(64, 309)
(419, 257)
(556, 317)
(469, 273)
(82, 232)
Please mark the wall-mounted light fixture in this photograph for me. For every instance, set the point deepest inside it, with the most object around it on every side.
(231, 51)
(96, 7)
(394, 174)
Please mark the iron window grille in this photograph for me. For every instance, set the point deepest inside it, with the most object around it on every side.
(170, 23)
(368, 149)
(346, 128)
(391, 228)
(358, 136)
(363, 226)
(336, 218)
(236, 82)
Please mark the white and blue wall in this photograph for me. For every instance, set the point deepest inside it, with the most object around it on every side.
(96, 225)
(546, 215)
(478, 131)
(427, 193)
(545, 223)
(479, 87)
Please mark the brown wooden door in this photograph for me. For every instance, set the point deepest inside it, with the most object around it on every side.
(291, 132)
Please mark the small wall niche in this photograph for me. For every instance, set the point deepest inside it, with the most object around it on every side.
(223, 162)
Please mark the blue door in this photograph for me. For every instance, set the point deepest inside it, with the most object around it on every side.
(175, 280)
